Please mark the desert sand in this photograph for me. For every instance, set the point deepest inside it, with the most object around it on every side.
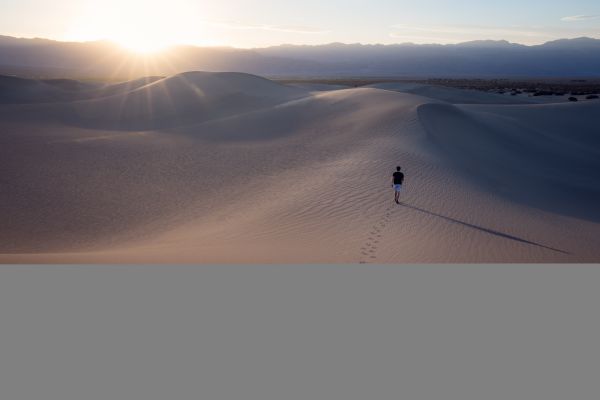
(233, 168)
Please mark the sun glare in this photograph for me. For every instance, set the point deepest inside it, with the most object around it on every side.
(141, 45)
(139, 26)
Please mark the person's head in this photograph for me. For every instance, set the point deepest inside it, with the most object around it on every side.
(398, 169)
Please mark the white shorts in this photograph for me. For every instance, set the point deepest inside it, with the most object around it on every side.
(398, 188)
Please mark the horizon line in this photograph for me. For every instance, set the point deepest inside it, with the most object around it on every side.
(304, 45)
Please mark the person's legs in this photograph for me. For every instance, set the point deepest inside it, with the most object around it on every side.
(397, 196)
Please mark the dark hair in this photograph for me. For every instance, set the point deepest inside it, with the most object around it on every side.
(398, 168)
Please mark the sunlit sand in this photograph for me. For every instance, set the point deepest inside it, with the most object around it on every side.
(227, 167)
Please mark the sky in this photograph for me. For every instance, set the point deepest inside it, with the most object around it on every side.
(148, 25)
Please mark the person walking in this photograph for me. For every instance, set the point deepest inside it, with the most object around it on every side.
(398, 180)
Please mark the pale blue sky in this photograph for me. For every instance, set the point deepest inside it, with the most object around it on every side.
(147, 24)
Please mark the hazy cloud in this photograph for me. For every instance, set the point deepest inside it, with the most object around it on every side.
(466, 29)
(266, 27)
(575, 18)
(456, 33)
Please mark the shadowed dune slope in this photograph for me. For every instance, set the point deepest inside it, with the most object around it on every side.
(15, 90)
(547, 156)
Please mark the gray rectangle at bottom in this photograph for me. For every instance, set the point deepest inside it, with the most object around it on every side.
(300, 332)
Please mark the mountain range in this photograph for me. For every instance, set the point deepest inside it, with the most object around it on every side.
(484, 58)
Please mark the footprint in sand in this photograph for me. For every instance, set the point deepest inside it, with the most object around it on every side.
(369, 249)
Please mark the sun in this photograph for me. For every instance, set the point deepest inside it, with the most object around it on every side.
(142, 45)
(147, 26)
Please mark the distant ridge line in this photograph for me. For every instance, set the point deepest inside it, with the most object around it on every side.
(45, 58)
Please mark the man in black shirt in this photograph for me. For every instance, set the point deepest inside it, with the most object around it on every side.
(398, 178)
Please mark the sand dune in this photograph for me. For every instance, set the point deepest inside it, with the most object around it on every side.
(15, 90)
(471, 96)
(123, 87)
(318, 87)
(181, 99)
(236, 168)
(153, 102)
(452, 95)
(509, 148)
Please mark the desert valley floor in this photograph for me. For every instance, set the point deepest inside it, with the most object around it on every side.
(233, 168)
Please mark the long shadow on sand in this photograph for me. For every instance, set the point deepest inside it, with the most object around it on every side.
(482, 229)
